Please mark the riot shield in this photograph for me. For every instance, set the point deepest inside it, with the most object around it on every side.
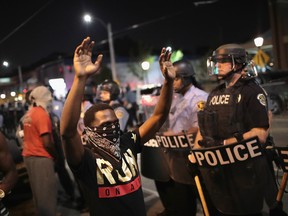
(153, 163)
(156, 162)
(177, 148)
(236, 176)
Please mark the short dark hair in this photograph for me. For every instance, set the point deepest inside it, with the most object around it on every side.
(89, 114)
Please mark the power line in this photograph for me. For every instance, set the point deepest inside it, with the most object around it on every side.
(25, 22)
(135, 26)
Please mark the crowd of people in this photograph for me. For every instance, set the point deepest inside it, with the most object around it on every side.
(94, 142)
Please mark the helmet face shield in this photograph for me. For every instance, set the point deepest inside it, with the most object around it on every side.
(229, 53)
(211, 67)
(250, 70)
(212, 63)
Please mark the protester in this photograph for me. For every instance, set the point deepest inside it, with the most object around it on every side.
(235, 111)
(108, 173)
(130, 103)
(9, 176)
(179, 194)
(39, 152)
(109, 92)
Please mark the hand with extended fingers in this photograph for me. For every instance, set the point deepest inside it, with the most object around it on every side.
(83, 59)
(166, 65)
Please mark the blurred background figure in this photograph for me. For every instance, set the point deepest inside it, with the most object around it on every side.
(130, 103)
(39, 152)
(109, 92)
(9, 176)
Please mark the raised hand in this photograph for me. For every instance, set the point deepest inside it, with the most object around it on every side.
(166, 65)
(82, 59)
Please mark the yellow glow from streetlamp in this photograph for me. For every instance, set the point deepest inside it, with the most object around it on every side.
(258, 41)
(20, 97)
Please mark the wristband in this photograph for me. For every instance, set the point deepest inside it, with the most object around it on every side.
(239, 137)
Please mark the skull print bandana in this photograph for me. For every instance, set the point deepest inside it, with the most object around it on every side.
(105, 137)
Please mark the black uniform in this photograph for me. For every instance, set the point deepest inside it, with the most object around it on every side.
(230, 112)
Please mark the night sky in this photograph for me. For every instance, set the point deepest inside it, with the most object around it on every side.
(33, 30)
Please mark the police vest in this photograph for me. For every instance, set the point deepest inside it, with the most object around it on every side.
(218, 120)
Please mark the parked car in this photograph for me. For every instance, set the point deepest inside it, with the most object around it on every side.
(277, 91)
(276, 86)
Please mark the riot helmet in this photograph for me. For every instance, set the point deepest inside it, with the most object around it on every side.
(89, 93)
(110, 87)
(185, 71)
(234, 54)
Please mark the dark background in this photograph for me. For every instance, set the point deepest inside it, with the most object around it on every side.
(33, 30)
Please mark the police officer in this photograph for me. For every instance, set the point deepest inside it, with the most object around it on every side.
(109, 92)
(236, 110)
(179, 194)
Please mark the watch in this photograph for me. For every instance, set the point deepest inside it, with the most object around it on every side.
(2, 194)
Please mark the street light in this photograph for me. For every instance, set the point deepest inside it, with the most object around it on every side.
(261, 58)
(258, 41)
(87, 18)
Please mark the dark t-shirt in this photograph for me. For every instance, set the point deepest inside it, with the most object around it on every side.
(112, 189)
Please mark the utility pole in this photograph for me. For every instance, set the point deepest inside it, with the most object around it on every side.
(112, 52)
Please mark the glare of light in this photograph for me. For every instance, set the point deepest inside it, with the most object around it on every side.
(5, 80)
(169, 48)
(20, 97)
(5, 64)
(258, 41)
(3, 96)
(13, 94)
(145, 65)
(59, 87)
(56, 107)
(87, 18)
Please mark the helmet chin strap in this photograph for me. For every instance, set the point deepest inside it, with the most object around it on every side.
(229, 75)
(183, 88)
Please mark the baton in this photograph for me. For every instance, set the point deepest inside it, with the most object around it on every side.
(282, 187)
(198, 184)
(201, 194)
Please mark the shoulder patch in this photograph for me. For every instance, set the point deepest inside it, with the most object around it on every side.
(119, 114)
(239, 98)
(200, 105)
(262, 99)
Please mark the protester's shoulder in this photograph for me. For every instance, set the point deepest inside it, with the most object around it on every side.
(130, 137)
